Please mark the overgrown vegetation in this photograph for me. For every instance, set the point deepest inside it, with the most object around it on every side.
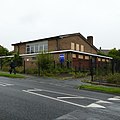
(109, 78)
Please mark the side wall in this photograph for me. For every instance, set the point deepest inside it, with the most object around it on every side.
(65, 44)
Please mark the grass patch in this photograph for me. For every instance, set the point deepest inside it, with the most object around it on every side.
(3, 74)
(112, 90)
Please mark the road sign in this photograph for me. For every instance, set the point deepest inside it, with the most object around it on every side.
(62, 58)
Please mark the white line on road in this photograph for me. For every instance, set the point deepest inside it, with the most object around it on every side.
(114, 99)
(2, 84)
(101, 101)
(70, 97)
(94, 105)
(35, 89)
(45, 96)
(5, 84)
(32, 91)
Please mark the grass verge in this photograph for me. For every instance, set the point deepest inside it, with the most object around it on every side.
(3, 74)
(100, 88)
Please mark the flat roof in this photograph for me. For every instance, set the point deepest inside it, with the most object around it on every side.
(62, 51)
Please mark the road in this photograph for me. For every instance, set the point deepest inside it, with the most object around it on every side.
(47, 99)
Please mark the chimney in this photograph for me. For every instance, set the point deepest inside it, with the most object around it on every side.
(90, 39)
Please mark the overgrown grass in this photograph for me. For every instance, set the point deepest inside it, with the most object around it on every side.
(4, 74)
(112, 90)
(110, 78)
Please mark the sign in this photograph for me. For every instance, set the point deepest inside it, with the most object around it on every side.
(62, 58)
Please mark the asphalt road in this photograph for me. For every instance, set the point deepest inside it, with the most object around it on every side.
(47, 99)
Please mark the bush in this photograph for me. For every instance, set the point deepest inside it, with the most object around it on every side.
(79, 74)
(5, 68)
(110, 78)
(31, 71)
(19, 69)
(113, 78)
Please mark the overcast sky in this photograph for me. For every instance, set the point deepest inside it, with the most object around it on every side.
(23, 20)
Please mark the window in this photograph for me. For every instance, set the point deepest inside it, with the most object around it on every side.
(45, 47)
(99, 59)
(72, 46)
(36, 48)
(107, 60)
(33, 58)
(77, 47)
(41, 48)
(82, 48)
(80, 56)
(87, 57)
(32, 49)
(28, 49)
(103, 60)
(74, 55)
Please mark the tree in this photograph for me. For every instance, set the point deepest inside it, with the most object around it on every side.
(3, 51)
(44, 61)
(17, 59)
(115, 54)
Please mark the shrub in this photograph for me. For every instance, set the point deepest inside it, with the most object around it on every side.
(113, 78)
(31, 71)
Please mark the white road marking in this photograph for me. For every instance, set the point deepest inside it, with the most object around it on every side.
(114, 99)
(45, 96)
(101, 101)
(70, 97)
(2, 85)
(117, 97)
(32, 91)
(5, 84)
(35, 89)
(94, 105)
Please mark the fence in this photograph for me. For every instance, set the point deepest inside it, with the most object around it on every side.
(91, 66)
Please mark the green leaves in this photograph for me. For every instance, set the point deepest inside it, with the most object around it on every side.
(3, 51)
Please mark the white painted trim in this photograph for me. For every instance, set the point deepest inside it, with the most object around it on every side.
(62, 51)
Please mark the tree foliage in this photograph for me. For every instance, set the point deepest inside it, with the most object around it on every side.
(115, 54)
(17, 59)
(44, 61)
(3, 51)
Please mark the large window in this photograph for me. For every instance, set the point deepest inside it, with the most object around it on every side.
(37, 47)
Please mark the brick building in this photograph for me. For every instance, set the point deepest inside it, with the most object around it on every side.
(74, 47)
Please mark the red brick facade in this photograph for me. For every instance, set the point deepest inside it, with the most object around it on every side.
(81, 46)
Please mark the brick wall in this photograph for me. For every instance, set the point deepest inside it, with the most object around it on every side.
(65, 44)
(21, 48)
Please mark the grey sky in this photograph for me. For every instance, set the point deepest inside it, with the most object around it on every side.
(23, 20)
